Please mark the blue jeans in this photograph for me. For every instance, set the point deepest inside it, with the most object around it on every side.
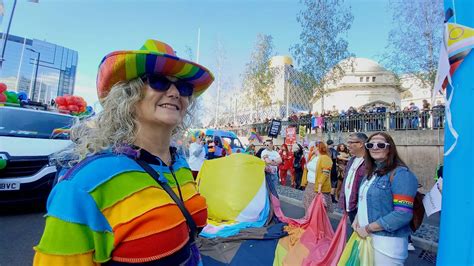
(273, 177)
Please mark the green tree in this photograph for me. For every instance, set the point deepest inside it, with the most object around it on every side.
(258, 79)
(415, 39)
(323, 46)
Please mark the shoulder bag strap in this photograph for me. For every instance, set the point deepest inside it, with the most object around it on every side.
(189, 219)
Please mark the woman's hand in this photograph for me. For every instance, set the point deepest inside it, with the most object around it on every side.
(319, 188)
(362, 232)
(355, 224)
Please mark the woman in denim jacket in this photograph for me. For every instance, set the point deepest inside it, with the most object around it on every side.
(386, 207)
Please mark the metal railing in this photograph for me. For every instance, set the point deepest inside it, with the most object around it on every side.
(366, 122)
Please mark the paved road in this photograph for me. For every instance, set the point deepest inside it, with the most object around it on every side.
(21, 228)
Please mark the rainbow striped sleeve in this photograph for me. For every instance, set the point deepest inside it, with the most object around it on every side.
(74, 229)
(403, 203)
(118, 212)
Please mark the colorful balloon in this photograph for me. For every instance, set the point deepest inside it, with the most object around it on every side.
(12, 97)
(22, 96)
(3, 87)
(60, 100)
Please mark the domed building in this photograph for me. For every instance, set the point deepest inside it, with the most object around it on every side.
(365, 83)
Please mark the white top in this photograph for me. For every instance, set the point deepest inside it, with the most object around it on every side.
(395, 247)
(362, 215)
(197, 155)
(272, 155)
(350, 179)
(312, 165)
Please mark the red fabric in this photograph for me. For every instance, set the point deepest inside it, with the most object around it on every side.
(328, 247)
(287, 158)
(283, 173)
(324, 246)
(160, 245)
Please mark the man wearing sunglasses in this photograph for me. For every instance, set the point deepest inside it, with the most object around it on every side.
(353, 174)
(272, 160)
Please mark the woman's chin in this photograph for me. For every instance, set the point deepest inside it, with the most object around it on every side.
(169, 121)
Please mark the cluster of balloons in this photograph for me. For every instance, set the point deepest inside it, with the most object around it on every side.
(11, 96)
(68, 104)
(74, 105)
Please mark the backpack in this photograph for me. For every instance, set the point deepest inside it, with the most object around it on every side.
(418, 208)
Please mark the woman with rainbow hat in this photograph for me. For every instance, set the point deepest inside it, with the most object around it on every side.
(129, 197)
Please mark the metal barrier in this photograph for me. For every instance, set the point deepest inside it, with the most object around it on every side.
(367, 122)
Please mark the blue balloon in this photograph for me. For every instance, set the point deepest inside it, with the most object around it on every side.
(89, 109)
(22, 96)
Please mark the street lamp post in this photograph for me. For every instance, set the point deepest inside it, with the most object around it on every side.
(5, 35)
(32, 90)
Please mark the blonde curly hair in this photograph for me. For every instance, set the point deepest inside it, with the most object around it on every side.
(113, 127)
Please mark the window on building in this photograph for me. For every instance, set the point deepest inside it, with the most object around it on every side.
(367, 79)
(373, 79)
(361, 79)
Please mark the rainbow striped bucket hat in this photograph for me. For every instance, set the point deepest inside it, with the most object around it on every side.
(154, 57)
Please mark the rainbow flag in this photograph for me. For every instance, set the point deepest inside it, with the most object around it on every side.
(227, 147)
(458, 43)
(246, 225)
(59, 131)
(255, 136)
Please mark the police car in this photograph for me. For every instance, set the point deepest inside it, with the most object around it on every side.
(27, 139)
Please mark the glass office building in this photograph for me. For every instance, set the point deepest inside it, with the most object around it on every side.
(41, 69)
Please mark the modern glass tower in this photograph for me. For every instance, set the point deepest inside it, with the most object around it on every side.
(41, 69)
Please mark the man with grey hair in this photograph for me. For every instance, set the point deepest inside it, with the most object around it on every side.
(353, 174)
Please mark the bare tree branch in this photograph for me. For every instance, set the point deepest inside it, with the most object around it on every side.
(323, 44)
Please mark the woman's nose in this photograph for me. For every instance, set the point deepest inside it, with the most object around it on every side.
(172, 91)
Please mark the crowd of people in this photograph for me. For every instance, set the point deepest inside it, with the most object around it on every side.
(376, 117)
(366, 177)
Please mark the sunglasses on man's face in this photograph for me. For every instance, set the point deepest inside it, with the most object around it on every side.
(378, 145)
(352, 142)
(162, 84)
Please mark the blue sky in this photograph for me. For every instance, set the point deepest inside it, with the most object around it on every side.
(97, 27)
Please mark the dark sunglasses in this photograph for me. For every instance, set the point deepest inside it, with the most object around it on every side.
(352, 142)
(161, 83)
(379, 145)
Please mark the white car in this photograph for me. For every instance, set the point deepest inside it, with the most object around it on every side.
(27, 138)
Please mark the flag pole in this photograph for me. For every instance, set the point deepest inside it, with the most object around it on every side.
(5, 35)
(198, 45)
